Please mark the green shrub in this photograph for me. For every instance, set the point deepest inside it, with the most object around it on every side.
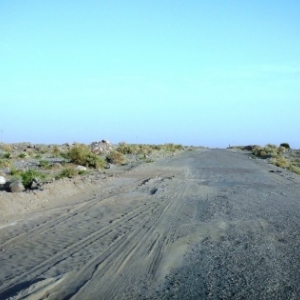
(115, 157)
(127, 148)
(44, 164)
(15, 172)
(22, 155)
(67, 172)
(6, 155)
(31, 175)
(79, 153)
(65, 155)
(82, 155)
(95, 161)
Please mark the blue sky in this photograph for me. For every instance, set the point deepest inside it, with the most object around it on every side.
(209, 73)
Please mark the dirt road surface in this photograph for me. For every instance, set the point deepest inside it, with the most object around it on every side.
(205, 224)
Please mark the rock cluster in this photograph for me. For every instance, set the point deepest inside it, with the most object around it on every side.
(101, 147)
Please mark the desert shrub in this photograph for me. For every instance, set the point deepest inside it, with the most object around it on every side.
(281, 150)
(15, 172)
(268, 150)
(67, 172)
(22, 155)
(31, 175)
(78, 154)
(115, 157)
(285, 145)
(6, 148)
(127, 148)
(280, 161)
(44, 164)
(65, 155)
(4, 163)
(157, 147)
(30, 152)
(82, 155)
(294, 169)
(56, 151)
(149, 160)
(82, 172)
(43, 150)
(6, 155)
(95, 161)
(172, 147)
(145, 149)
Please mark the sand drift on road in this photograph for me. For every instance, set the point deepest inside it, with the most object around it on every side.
(205, 224)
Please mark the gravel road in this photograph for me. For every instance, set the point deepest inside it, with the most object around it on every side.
(205, 224)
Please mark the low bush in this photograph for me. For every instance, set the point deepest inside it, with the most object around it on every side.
(115, 157)
(31, 175)
(172, 147)
(67, 172)
(4, 163)
(267, 151)
(56, 151)
(279, 156)
(15, 172)
(294, 169)
(6, 148)
(280, 161)
(6, 155)
(95, 161)
(82, 155)
(127, 148)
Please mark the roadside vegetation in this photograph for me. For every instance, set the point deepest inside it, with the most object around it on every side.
(32, 164)
(82, 154)
(281, 156)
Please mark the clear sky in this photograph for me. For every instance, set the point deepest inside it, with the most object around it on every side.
(209, 73)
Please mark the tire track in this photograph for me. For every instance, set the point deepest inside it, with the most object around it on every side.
(107, 232)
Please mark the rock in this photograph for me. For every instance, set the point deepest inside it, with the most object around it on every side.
(34, 185)
(17, 187)
(2, 180)
(81, 168)
(101, 147)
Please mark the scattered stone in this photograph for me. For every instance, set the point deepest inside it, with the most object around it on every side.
(34, 185)
(81, 168)
(17, 187)
(2, 180)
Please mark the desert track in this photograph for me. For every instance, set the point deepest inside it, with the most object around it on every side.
(207, 224)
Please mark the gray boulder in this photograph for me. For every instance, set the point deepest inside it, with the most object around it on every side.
(17, 187)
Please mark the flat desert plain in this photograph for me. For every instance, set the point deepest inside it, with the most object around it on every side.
(204, 224)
